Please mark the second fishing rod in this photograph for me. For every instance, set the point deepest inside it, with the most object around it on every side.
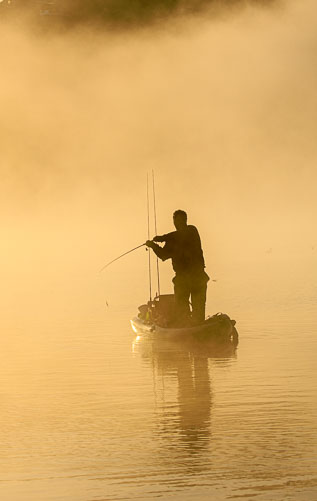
(149, 233)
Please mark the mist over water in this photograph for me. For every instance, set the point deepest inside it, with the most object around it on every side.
(223, 109)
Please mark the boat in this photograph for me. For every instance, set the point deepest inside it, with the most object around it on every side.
(158, 317)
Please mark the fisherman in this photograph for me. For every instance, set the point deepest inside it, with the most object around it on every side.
(183, 246)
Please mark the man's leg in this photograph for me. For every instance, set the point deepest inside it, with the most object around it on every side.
(181, 292)
(198, 297)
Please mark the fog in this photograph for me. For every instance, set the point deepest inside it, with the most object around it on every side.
(222, 108)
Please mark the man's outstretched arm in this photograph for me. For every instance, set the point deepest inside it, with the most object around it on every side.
(160, 238)
(168, 237)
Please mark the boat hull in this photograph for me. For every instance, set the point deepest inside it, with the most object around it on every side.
(221, 328)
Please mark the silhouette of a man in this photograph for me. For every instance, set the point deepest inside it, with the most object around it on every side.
(183, 246)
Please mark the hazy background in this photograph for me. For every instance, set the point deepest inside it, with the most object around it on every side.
(223, 108)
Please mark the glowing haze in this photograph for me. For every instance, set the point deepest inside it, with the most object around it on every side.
(223, 109)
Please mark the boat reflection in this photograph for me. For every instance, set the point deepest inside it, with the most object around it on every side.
(182, 374)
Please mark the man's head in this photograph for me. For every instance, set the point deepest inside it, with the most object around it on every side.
(180, 219)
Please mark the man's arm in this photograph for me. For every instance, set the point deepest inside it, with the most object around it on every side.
(159, 238)
(161, 252)
(165, 238)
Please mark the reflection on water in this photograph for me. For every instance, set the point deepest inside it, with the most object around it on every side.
(183, 392)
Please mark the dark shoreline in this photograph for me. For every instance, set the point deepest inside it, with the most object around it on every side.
(116, 14)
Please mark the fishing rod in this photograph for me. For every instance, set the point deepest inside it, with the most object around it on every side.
(125, 253)
(142, 245)
(148, 232)
(155, 226)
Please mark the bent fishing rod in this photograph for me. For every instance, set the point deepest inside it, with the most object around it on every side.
(124, 254)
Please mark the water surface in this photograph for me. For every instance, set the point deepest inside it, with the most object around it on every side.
(92, 412)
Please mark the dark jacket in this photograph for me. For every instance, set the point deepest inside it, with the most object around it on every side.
(184, 248)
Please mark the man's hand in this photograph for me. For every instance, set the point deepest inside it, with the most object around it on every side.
(149, 243)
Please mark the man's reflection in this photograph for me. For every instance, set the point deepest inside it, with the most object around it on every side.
(195, 400)
(185, 408)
